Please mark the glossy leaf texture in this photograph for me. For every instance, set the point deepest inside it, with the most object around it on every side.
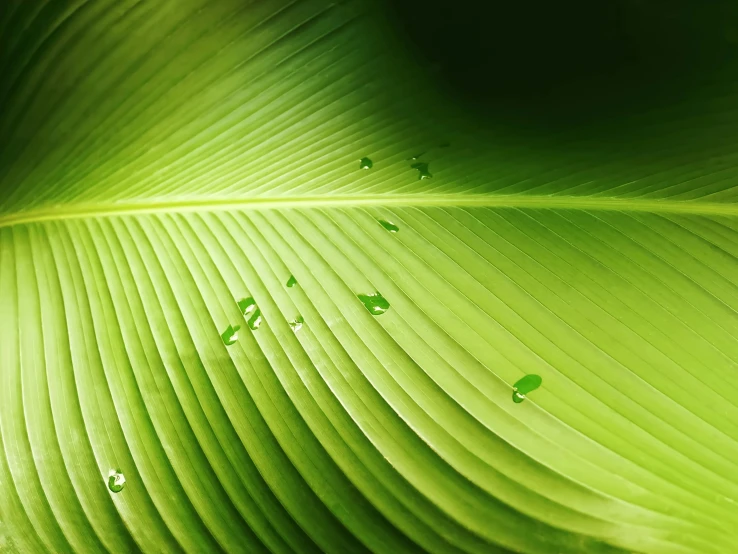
(220, 331)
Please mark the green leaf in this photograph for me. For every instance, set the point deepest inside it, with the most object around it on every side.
(167, 167)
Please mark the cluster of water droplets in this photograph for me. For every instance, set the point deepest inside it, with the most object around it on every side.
(252, 315)
(296, 324)
(251, 312)
(423, 168)
(375, 303)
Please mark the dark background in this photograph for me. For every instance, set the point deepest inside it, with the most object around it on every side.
(564, 63)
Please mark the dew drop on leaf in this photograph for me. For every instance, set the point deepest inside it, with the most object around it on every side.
(525, 385)
(391, 227)
(423, 172)
(296, 324)
(230, 335)
(247, 305)
(255, 320)
(375, 303)
(116, 481)
(365, 163)
(291, 282)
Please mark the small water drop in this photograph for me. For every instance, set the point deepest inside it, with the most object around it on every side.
(365, 163)
(375, 303)
(116, 481)
(247, 305)
(423, 172)
(296, 324)
(291, 282)
(230, 335)
(391, 227)
(525, 385)
(255, 320)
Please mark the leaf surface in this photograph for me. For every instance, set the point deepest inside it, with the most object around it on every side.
(161, 162)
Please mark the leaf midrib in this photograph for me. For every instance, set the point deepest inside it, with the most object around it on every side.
(100, 209)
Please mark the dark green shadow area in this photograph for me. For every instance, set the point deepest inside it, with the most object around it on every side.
(598, 74)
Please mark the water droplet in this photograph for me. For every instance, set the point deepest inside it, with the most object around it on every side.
(523, 386)
(391, 227)
(423, 171)
(291, 282)
(296, 323)
(247, 305)
(255, 320)
(365, 163)
(230, 335)
(116, 481)
(375, 303)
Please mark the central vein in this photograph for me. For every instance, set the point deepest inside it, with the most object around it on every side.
(101, 209)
